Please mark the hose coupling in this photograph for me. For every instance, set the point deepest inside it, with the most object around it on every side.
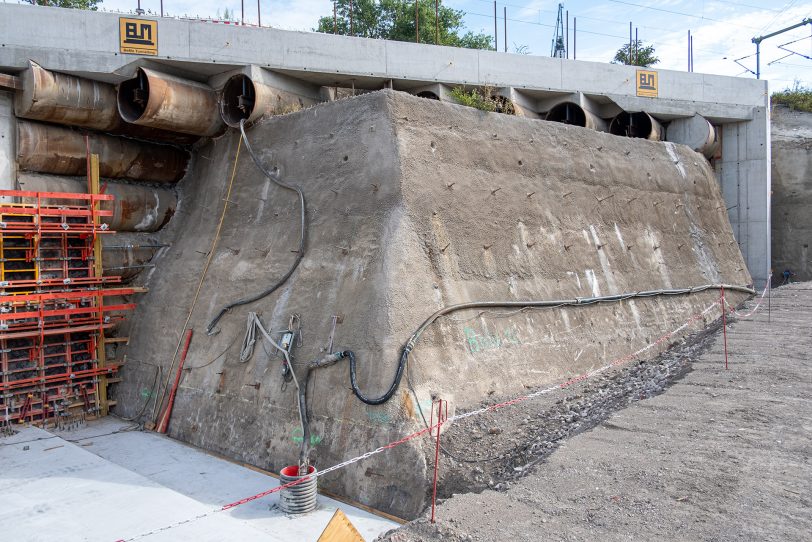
(327, 360)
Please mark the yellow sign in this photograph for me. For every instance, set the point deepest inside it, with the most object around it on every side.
(138, 36)
(647, 83)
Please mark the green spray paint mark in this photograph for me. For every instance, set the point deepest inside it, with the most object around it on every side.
(298, 437)
(480, 342)
(146, 393)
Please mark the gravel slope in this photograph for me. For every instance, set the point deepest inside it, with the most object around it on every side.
(720, 455)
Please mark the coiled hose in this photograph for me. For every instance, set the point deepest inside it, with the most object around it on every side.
(578, 301)
(274, 177)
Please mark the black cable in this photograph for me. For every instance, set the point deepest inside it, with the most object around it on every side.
(404, 355)
(274, 177)
(578, 301)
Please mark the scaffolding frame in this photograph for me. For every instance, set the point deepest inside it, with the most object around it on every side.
(55, 306)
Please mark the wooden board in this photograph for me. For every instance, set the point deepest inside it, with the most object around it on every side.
(339, 529)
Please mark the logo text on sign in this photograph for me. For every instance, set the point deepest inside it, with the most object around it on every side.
(647, 83)
(138, 36)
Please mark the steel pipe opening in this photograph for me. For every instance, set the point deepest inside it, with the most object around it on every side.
(238, 101)
(167, 102)
(250, 98)
(572, 113)
(428, 95)
(639, 124)
(75, 101)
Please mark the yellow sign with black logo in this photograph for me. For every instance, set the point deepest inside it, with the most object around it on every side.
(647, 83)
(138, 36)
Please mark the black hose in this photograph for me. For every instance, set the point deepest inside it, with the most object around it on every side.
(274, 177)
(578, 301)
(404, 355)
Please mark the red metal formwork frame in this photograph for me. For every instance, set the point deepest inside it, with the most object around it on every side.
(52, 306)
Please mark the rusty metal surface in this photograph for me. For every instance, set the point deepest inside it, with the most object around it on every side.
(136, 208)
(167, 102)
(125, 261)
(65, 99)
(245, 98)
(10, 82)
(47, 148)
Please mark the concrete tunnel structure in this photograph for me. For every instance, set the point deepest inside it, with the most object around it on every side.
(414, 204)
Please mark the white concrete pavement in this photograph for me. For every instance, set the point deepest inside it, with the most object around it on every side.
(104, 482)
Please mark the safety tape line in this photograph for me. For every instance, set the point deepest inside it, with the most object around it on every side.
(733, 310)
(490, 408)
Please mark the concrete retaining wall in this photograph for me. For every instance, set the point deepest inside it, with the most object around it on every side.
(414, 205)
(792, 193)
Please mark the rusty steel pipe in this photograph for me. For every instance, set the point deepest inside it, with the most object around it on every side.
(250, 98)
(136, 208)
(47, 148)
(572, 113)
(639, 124)
(125, 261)
(66, 99)
(167, 102)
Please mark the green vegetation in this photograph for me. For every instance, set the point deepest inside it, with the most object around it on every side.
(484, 100)
(395, 20)
(641, 55)
(798, 97)
(78, 4)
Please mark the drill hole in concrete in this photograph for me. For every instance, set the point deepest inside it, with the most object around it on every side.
(346, 158)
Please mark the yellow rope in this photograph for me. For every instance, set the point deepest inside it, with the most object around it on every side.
(200, 283)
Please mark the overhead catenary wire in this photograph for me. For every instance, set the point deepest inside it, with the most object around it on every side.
(276, 179)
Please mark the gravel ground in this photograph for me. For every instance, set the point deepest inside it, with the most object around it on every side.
(721, 455)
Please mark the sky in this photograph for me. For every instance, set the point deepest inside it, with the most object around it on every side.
(722, 29)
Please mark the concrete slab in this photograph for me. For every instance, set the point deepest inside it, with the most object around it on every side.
(108, 482)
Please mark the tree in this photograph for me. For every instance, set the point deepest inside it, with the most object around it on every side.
(641, 55)
(78, 4)
(395, 20)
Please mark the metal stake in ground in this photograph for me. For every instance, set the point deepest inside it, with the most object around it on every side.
(724, 321)
(442, 416)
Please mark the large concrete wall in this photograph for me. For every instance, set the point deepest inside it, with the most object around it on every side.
(744, 173)
(414, 205)
(204, 52)
(792, 193)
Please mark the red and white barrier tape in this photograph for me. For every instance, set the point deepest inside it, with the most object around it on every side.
(733, 310)
(425, 430)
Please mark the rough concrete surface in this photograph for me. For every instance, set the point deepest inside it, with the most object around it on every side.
(791, 193)
(414, 205)
(720, 455)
